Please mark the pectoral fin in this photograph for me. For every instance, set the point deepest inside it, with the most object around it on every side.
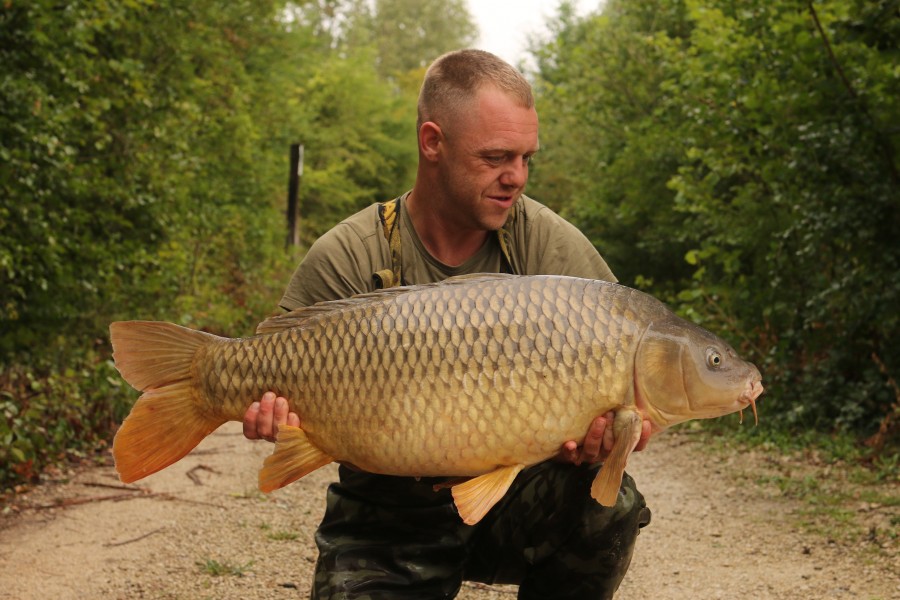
(605, 488)
(475, 497)
(294, 457)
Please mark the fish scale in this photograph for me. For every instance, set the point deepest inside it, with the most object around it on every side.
(475, 377)
(480, 341)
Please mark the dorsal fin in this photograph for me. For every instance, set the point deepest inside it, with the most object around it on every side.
(300, 316)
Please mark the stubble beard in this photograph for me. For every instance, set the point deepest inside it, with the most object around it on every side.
(470, 207)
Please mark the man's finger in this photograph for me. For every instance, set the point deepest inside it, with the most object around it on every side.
(265, 421)
(646, 430)
(250, 418)
(281, 411)
(569, 452)
(609, 438)
(593, 441)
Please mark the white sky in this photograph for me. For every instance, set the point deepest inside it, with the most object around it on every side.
(507, 24)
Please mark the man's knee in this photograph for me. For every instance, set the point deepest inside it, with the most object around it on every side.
(605, 543)
(593, 560)
(626, 518)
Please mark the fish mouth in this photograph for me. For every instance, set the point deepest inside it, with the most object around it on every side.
(753, 391)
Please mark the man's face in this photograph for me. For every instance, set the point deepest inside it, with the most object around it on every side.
(485, 167)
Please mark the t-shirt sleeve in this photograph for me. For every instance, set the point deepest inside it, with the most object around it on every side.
(556, 247)
(338, 265)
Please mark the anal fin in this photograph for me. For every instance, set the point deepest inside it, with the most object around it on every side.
(294, 457)
(605, 488)
(475, 497)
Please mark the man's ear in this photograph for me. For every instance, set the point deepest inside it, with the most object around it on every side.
(430, 140)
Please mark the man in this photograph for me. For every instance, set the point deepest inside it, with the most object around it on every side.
(395, 537)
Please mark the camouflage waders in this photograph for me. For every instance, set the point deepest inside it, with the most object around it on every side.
(395, 538)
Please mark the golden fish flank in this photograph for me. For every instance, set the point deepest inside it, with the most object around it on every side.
(481, 375)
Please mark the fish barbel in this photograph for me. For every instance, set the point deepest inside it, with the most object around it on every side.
(475, 377)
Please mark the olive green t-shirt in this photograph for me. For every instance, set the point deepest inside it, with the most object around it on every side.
(341, 263)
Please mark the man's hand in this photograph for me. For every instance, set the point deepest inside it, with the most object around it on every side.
(262, 419)
(598, 442)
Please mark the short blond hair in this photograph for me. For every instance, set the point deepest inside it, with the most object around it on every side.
(453, 79)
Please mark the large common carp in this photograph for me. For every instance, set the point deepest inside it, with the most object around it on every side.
(476, 376)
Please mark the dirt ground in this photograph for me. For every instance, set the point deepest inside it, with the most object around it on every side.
(200, 529)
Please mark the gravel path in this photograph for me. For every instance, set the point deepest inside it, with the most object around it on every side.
(200, 529)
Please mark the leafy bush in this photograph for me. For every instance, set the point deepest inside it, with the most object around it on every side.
(143, 163)
(52, 414)
(737, 160)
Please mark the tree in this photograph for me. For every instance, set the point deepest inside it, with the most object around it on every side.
(362, 148)
(408, 34)
(744, 153)
(600, 93)
(143, 151)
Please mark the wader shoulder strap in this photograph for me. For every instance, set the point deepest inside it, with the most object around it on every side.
(505, 238)
(388, 213)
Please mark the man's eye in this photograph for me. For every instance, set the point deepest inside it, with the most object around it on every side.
(495, 159)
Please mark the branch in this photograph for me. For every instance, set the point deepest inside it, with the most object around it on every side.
(877, 441)
(880, 139)
(192, 475)
(67, 502)
(137, 539)
(834, 60)
(115, 486)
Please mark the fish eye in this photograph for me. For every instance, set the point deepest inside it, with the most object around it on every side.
(713, 358)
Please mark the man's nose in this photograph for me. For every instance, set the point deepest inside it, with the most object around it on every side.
(515, 174)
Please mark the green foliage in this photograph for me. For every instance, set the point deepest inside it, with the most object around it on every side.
(599, 99)
(354, 112)
(114, 144)
(51, 413)
(739, 160)
(409, 34)
(215, 568)
(143, 163)
(839, 487)
(283, 536)
(131, 143)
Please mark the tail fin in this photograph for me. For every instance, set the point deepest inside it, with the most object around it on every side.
(166, 422)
